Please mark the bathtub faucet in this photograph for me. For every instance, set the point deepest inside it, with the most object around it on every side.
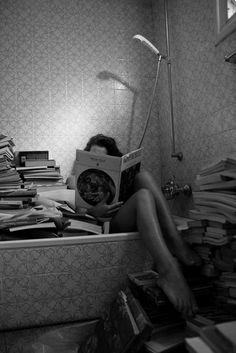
(172, 189)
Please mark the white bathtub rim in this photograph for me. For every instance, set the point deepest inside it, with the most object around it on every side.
(75, 240)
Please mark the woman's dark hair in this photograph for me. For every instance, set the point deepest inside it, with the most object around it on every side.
(104, 141)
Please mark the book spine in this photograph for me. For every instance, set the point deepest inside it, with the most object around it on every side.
(24, 155)
(39, 162)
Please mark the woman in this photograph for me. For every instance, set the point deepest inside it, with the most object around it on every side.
(147, 212)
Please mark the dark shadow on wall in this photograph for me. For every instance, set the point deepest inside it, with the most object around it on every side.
(107, 75)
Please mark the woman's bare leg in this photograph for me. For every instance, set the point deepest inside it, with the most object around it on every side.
(139, 213)
(177, 244)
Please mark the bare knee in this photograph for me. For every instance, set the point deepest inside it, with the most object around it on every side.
(144, 197)
(141, 176)
(145, 180)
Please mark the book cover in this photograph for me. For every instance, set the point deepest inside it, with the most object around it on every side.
(172, 340)
(222, 198)
(62, 338)
(228, 331)
(217, 342)
(142, 320)
(219, 165)
(197, 322)
(11, 204)
(217, 205)
(144, 286)
(223, 185)
(77, 225)
(51, 186)
(224, 292)
(198, 215)
(32, 168)
(26, 155)
(100, 176)
(210, 210)
(221, 231)
(197, 345)
(40, 162)
(43, 225)
(115, 332)
(225, 225)
(216, 177)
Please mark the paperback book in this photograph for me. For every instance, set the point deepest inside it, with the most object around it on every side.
(101, 178)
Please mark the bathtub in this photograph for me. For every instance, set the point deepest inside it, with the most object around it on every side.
(60, 280)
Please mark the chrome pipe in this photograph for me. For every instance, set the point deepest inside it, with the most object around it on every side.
(174, 154)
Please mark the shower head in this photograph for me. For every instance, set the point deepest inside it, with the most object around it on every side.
(147, 43)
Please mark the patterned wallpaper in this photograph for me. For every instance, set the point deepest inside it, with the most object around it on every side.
(51, 55)
(204, 87)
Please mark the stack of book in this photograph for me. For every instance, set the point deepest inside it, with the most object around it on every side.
(30, 222)
(140, 318)
(16, 199)
(222, 223)
(40, 173)
(192, 230)
(9, 178)
(215, 206)
(169, 328)
(158, 307)
(214, 338)
(226, 288)
(216, 189)
(216, 245)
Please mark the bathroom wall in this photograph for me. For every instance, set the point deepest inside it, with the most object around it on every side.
(51, 53)
(204, 87)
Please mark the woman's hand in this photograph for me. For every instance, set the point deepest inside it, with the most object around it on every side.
(103, 210)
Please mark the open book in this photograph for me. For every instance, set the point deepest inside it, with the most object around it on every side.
(103, 177)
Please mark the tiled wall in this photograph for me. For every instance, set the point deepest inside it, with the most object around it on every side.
(51, 96)
(62, 283)
(204, 87)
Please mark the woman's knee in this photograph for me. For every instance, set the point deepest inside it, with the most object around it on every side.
(144, 179)
(144, 196)
(142, 175)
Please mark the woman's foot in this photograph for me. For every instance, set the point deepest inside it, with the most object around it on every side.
(176, 289)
